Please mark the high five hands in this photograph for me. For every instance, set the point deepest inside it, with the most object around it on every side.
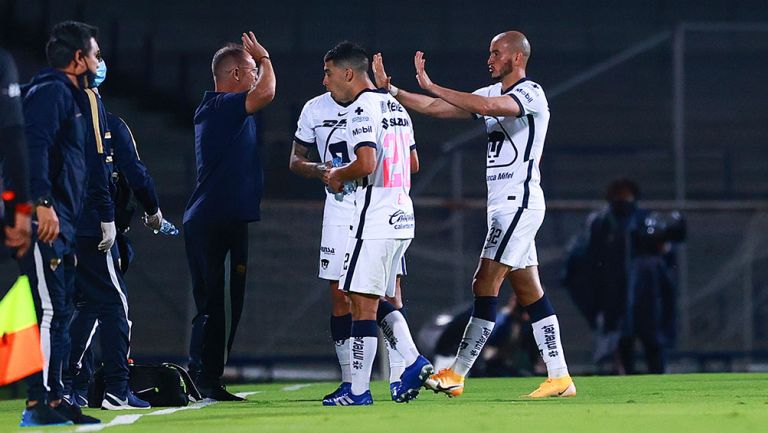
(383, 80)
(421, 73)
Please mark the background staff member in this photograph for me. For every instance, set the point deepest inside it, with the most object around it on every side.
(13, 148)
(226, 198)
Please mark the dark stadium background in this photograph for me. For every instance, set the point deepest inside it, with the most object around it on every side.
(614, 123)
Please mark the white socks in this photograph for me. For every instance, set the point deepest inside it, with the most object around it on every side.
(547, 334)
(398, 335)
(475, 336)
(396, 362)
(362, 353)
(342, 353)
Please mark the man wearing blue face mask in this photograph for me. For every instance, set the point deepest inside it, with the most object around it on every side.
(67, 163)
(101, 291)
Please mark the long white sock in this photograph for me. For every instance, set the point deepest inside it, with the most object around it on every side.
(396, 331)
(396, 362)
(342, 353)
(475, 336)
(362, 353)
(546, 332)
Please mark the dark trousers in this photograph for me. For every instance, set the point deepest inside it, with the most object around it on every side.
(102, 301)
(655, 354)
(51, 272)
(219, 305)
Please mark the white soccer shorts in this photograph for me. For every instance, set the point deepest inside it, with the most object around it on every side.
(371, 265)
(510, 238)
(333, 245)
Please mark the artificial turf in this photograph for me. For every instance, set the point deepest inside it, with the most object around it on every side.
(672, 403)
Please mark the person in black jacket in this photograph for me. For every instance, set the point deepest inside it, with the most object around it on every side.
(66, 163)
(620, 276)
(102, 300)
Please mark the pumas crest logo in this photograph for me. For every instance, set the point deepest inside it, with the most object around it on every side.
(55, 262)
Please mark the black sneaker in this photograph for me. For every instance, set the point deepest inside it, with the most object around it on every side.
(41, 414)
(74, 413)
(218, 392)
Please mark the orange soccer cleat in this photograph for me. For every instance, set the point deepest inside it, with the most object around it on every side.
(560, 387)
(446, 381)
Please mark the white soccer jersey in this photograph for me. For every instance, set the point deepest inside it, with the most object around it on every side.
(515, 145)
(322, 124)
(383, 208)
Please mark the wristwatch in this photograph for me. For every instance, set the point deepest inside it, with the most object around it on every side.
(45, 201)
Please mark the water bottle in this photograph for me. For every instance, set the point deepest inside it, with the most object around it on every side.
(347, 187)
(167, 228)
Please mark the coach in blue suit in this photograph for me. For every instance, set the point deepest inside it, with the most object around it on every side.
(226, 198)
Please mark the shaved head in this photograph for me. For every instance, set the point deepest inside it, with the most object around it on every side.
(226, 58)
(514, 42)
(508, 56)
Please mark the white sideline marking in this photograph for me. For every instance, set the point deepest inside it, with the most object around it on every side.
(296, 387)
(246, 394)
(130, 419)
(118, 420)
(170, 410)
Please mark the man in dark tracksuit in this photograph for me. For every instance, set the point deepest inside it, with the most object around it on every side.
(102, 301)
(65, 164)
(17, 211)
(226, 197)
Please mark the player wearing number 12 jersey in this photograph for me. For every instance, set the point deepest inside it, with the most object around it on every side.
(322, 126)
(516, 115)
(379, 134)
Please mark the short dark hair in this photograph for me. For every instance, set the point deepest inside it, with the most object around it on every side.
(348, 55)
(66, 38)
(224, 54)
(619, 186)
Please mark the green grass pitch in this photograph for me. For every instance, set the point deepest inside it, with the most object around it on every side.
(692, 403)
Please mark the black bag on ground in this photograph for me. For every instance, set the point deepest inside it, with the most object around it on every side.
(166, 384)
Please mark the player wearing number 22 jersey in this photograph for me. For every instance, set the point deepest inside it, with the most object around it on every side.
(516, 116)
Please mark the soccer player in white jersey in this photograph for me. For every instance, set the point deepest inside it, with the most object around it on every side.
(516, 115)
(379, 134)
(322, 126)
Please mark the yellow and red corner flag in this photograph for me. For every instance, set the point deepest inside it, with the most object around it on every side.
(20, 353)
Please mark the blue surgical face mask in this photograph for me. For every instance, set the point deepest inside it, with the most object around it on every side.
(101, 74)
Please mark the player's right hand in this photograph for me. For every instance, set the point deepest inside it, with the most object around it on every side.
(47, 224)
(421, 72)
(379, 74)
(253, 47)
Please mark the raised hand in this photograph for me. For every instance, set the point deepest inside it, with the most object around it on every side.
(379, 75)
(253, 47)
(421, 73)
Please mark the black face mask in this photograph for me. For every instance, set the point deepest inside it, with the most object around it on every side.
(621, 208)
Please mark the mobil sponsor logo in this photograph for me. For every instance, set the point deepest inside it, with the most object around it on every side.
(362, 130)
